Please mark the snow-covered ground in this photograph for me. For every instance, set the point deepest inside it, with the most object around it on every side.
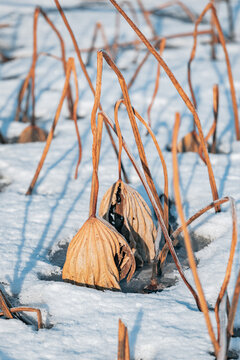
(82, 323)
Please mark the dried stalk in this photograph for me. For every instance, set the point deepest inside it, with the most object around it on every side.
(158, 214)
(230, 77)
(181, 5)
(161, 49)
(134, 127)
(164, 166)
(31, 74)
(230, 263)
(116, 45)
(181, 93)
(146, 17)
(187, 239)
(84, 70)
(98, 28)
(98, 255)
(8, 310)
(70, 68)
(135, 43)
(233, 308)
(215, 114)
(123, 342)
(213, 129)
(133, 78)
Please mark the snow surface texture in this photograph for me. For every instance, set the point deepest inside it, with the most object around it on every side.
(82, 323)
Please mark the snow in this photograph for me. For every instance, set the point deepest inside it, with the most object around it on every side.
(82, 323)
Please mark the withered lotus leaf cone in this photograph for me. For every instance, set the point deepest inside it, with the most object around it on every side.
(189, 142)
(98, 256)
(32, 133)
(121, 201)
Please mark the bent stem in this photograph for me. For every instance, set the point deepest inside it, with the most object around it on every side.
(70, 68)
(161, 49)
(187, 240)
(211, 7)
(31, 73)
(132, 119)
(158, 214)
(187, 11)
(230, 263)
(98, 28)
(181, 93)
(97, 135)
(164, 166)
(77, 50)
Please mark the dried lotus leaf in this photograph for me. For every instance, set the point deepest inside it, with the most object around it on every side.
(137, 224)
(32, 133)
(98, 256)
(189, 142)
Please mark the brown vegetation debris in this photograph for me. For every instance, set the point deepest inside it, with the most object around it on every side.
(127, 211)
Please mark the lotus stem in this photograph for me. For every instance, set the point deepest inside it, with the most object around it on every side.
(192, 263)
(211, 7)
(181, 93)
(70, 68)
(161, 49)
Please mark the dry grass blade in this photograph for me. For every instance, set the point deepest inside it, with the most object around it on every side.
(161, 49)
(70, 68)
(181, 93)
(211, 7)
(187, 240)
(123, 342)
